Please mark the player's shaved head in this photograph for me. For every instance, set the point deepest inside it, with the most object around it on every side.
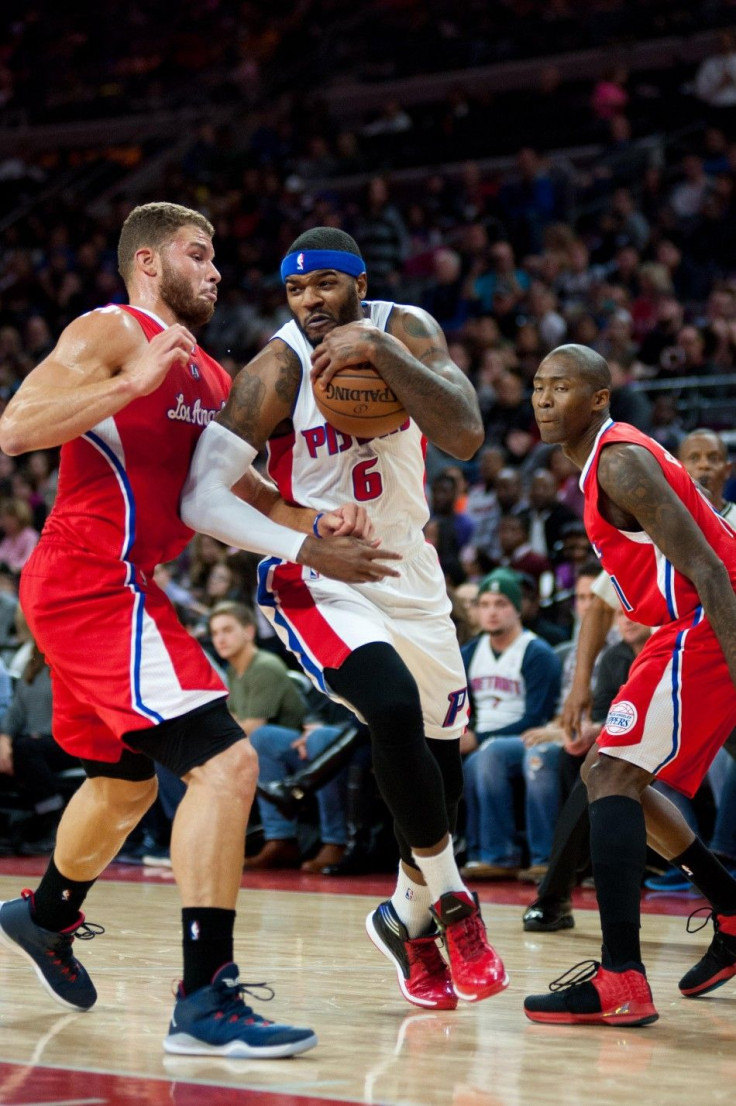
(583, 362)
(704, 432)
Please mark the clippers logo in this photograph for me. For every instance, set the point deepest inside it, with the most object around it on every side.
(622, 717)
(300, 262)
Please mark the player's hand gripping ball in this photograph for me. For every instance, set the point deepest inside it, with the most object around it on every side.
(358, 402)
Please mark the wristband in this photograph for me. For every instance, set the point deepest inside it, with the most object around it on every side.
(315, 524)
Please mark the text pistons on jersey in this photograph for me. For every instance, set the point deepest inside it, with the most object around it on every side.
(325, 437)
(193, 413)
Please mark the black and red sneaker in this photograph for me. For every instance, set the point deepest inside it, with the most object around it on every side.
(423, 975)
(50, 952)
(719, 963)
(589, 994)
(477, 969)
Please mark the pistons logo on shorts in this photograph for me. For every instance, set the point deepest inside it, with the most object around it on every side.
(621, 718)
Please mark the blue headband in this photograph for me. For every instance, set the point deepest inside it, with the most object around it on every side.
(307, 261)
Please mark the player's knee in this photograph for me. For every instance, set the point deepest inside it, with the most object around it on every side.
(234, 771)
(588, 764)
(377, 683)
(612, 776)
(396, 714)
(124, 801)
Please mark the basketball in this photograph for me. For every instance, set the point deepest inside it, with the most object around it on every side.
(358, 402)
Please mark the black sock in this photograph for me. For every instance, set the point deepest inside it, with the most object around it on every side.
(709, 876)
(208, 943)
(618, 849)
(58, 900)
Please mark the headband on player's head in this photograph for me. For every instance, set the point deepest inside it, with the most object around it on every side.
(307, 261)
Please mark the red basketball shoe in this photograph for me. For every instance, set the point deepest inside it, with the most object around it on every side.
(477, 969)
(595, 996)
(423, 975)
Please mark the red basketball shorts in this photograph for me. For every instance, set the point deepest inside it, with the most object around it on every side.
(677, 707)
(120, 659)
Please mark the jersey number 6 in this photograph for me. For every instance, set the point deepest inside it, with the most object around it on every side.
(367, 484)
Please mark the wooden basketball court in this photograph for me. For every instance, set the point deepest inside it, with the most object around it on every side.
(305, 935)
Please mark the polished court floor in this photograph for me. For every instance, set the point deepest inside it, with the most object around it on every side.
(305, 935)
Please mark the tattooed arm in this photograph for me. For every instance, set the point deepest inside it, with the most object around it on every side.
(637, 496)
(262, 394)
(412, 357)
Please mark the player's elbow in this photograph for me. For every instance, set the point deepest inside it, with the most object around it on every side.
(190, 509)
(13, 438)
(467, 441)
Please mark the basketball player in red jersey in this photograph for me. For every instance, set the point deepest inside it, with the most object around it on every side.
(672, 560)
(127, 392)
(389, 651)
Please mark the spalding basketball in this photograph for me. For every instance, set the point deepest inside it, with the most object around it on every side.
(358, 402)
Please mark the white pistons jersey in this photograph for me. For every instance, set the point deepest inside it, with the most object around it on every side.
(323, 621)
(317, 466)
(497, 685)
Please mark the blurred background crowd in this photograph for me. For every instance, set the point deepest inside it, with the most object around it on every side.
(529, 172)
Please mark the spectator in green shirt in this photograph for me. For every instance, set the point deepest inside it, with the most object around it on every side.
(261, 689)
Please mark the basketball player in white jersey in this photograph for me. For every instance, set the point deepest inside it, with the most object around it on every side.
(388, 651)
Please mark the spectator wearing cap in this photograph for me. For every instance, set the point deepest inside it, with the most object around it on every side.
(514, 684)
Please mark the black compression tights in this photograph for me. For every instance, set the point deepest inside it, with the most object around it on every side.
(420, 780)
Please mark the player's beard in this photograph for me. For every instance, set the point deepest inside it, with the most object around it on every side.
(176, 292)
(349, 312)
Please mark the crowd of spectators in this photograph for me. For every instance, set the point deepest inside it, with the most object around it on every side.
(119, 58)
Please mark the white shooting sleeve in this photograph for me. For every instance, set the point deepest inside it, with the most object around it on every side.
(210, 506)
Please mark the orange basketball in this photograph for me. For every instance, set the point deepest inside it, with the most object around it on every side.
(357, 401)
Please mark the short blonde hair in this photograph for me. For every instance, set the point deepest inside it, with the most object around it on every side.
(152, 225)
(239, 611)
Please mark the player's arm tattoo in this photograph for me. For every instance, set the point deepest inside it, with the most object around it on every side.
(262, 394)
(290, 374)
(633, 481)
(417, 327)
(436, 393)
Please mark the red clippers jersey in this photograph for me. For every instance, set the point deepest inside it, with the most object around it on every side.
(651, 590)
(121, 482)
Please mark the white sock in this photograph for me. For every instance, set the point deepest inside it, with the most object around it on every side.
(412, 901)
(441, 872)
